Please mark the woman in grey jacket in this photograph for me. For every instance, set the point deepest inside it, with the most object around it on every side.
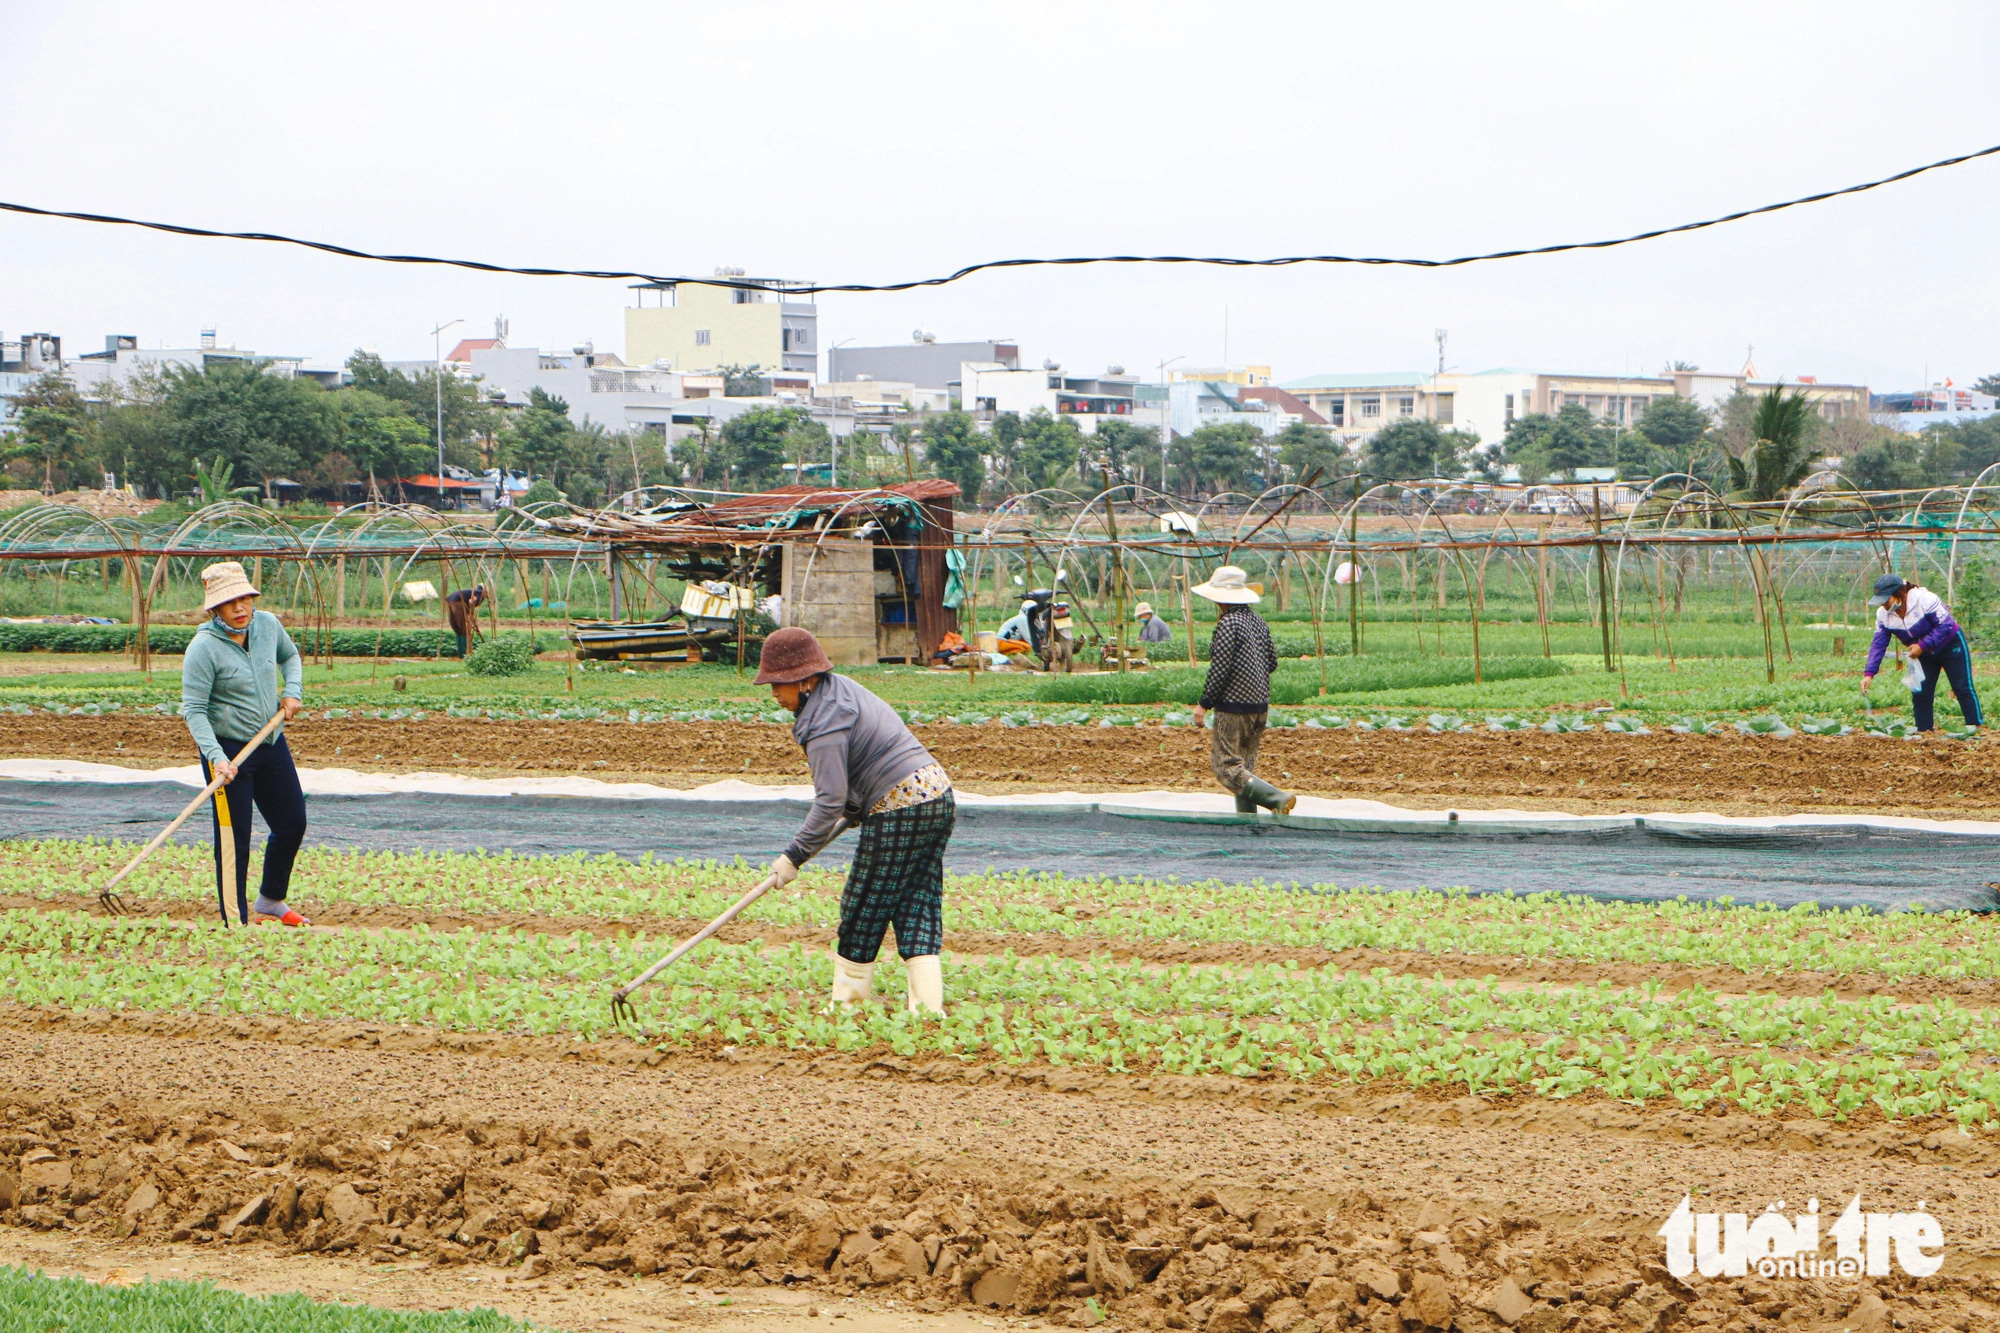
(230, 687)
(867, 770)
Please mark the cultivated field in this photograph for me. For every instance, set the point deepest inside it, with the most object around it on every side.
(1165, 1105)
(1211, 1106)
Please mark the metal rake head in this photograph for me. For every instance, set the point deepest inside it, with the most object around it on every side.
(113, 904)
(621, 1009)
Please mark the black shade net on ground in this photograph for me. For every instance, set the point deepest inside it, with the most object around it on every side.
(1864, 865)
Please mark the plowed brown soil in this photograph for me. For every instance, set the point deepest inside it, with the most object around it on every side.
(1170, 1203)
(1529, 768)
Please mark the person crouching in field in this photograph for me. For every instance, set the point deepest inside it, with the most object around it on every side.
(868, 770)
(1918, 618)
(229, 689)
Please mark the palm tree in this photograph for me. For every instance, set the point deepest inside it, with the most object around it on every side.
(1777, 459)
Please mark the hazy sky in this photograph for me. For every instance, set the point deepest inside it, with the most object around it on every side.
(884, 141)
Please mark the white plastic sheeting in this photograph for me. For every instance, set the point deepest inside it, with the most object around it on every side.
(1312, 811)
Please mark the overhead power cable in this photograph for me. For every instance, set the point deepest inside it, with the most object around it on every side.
(328, 247)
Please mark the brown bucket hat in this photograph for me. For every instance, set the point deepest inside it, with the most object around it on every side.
(791, 655)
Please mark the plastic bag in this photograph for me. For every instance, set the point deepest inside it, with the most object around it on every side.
(1913, 676)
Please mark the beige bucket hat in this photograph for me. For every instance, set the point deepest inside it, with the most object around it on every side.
(1142, 610)
(224, 582)
(1228, 585)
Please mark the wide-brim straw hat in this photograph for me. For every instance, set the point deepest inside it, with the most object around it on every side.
(790, 656)
(1142, 610)
(224, 582)
(1228, 585)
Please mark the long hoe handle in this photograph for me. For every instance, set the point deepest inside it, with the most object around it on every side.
(620, 1008)
(115, 905)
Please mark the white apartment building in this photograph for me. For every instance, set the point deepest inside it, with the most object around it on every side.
(988, 388)
(122, 359)
(1487, 402)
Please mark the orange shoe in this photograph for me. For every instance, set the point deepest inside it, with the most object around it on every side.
(290, 918)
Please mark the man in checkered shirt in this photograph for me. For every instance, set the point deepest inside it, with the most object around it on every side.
(1241, 659)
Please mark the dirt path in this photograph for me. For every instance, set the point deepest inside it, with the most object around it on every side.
(1726, 774)
(1172, 1202)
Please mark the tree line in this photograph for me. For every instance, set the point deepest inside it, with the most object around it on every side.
(171, 431)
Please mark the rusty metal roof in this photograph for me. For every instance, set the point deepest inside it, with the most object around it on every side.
(694, 523)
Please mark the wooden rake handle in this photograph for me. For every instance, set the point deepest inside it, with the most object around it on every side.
(105, 895)
(618, 996)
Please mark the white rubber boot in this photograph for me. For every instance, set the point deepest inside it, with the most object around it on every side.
(926, 978)
(852, 982)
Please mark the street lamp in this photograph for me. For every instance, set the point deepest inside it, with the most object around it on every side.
(1167, 427)
(437, 371)
(833, 441)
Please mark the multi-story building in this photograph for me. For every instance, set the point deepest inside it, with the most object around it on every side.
(596, 386)
(1185, 406)
(923, 361)
(122, 359)
(1940, 405)
(1487, 402)
(1249, 376)
(990, 388)
(1356, 406)
(693, 326)
(23, 361)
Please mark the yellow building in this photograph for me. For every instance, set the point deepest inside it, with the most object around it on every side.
(698, 327)
(1250, 376)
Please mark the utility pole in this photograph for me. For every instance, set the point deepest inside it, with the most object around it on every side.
(1117, 569)
(437, 373)
(1603, 588)
(1354, 572)
(1440, 335)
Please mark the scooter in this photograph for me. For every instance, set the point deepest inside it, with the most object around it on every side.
(1060, 655)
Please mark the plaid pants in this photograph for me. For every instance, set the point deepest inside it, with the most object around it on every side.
(898, 879)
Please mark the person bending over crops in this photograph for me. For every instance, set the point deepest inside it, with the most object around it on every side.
(230, 687)
(461, 608)
(1241, 659)
(868, 770)
(1918, 618)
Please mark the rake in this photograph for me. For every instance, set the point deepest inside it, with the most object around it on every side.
(621, 1008)
(107, 896)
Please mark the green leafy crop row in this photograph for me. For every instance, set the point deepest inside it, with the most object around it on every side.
(174, 639)
(1295, 682)
(1100, 910)
(33, 1303)
(1824, 1056)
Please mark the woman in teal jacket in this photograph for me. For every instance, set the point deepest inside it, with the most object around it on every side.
(230, 687)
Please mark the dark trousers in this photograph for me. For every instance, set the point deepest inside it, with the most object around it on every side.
(1232, 749)
(461, 644)
(1955, 665)
(267, 778)
(898, 879)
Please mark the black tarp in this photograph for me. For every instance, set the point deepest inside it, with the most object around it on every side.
(1831, 865)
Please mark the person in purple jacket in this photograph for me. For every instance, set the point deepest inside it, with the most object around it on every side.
(1918, 618)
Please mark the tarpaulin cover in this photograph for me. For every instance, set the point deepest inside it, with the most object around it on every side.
(1879, 863)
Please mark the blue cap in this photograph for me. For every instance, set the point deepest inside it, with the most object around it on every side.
(1886, 587)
